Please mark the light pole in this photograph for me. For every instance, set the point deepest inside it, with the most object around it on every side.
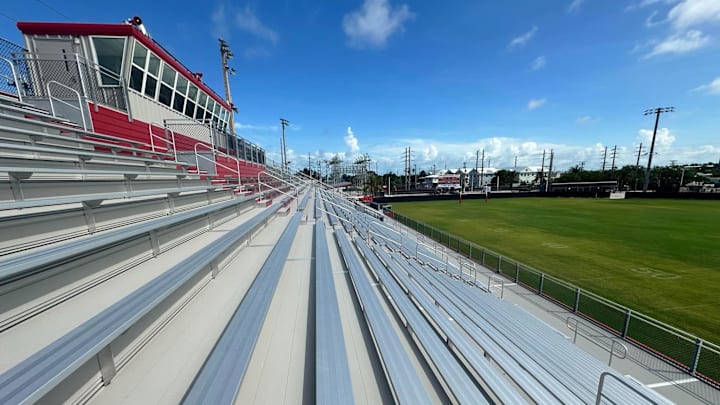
(225, 55)
(284, 123)
(657, 112)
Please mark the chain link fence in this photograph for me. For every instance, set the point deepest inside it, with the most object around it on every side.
(684, 350)
(13, 75)
(91, 81)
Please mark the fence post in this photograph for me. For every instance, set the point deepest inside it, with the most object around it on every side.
(696, 356)
(470, 245)
(517, 272)
(628, 313)
(499, 264)
(483, 257)
(577, 300)
(542, 281)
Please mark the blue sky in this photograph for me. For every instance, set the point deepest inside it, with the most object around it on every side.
(447, 78)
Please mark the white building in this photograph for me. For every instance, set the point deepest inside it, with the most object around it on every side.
(531, 175)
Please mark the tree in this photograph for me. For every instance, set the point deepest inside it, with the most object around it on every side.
(374, 185)
(507, 177)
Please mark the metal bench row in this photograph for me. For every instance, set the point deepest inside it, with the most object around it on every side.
(458, 385)
(332, 376)
(97, 198)
(24, 265)
(35, 376)
(219, 379)
(538, 360)
(30, 131)
(401, 375)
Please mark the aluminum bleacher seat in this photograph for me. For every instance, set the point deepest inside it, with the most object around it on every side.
(32, 378)
(332, 376)
(401, 374)
(458, 384)
(220, 377)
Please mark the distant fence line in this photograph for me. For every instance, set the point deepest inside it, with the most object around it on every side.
(690, 353)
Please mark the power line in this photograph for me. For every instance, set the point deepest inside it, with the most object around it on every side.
(8, 17)
(58, 12)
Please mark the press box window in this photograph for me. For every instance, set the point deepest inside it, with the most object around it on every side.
(109, 53)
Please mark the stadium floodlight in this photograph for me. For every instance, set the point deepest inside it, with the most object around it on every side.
(657, 112)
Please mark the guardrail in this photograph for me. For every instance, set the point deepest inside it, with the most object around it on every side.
(214, 161)
(688, 352)
(573, 324)
(12, 80)
(79, 99)
(170, 141)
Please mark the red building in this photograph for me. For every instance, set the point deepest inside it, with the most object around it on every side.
(115, 79)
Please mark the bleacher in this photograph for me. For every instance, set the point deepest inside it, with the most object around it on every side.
(127, 276)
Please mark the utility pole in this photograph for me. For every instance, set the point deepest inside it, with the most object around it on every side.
(472, 183)
(604, 160)
(637, 165)
(482, 170)
(547, 184)
(614, 155)
(225, 55)
(283, 151)
(542, 170)
(657, 112)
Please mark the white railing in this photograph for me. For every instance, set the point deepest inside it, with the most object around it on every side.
(214, 161)
(170, 141)
(296, 196)
(574, 324)
(79, 98)
(15, 80)
(604, 375)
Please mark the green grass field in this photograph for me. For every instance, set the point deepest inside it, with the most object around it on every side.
(658, 257)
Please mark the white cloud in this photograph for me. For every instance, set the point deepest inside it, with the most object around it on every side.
(247, 21)
(680, 43)
(538, 63)
(586, 119)
(690, 13)
(650, 20)
(375, 22)
(645, 3)
(523, 39)
(575, 6)
(500, 152)
(536, 103)
(430, 153)
(251, 127)
(663, 140)
(351, 142)
(713, 87)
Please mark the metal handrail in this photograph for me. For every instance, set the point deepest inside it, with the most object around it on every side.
(297, 201)
(446, 263)
(336, 216)
(502, 284)
(153, 136)
(614, 341)
(598, 398)
(15, 78)
(79, 107)
(370, 232)
(197, 160)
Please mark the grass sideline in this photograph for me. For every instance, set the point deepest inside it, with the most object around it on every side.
(659, 257)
